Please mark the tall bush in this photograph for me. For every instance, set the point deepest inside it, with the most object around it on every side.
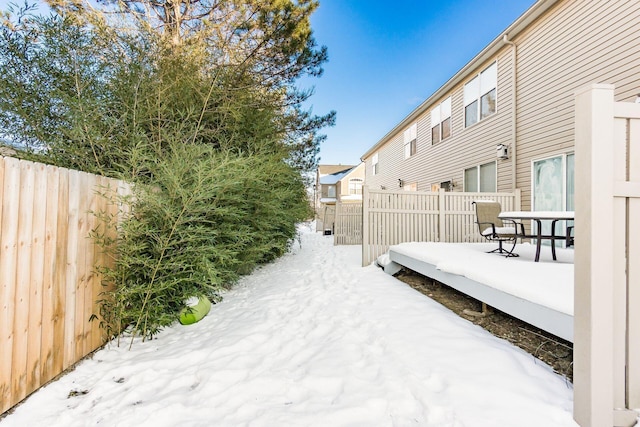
(208, 218)
(211, 135)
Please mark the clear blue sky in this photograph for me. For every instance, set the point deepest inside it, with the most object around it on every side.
(386, 58)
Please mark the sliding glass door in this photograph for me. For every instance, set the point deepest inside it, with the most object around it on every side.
(553, 189)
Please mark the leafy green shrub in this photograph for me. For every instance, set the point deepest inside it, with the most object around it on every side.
(207, 218)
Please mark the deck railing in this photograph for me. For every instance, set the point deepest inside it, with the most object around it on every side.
(391, 217)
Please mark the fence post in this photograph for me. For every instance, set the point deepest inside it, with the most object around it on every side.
(337, 226)
(599, 289)
(365, 225)
(593, 385)
(442, 236)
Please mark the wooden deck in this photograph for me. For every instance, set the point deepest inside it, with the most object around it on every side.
(551, 319)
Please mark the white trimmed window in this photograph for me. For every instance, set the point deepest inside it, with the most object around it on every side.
(331, 191)
(553, 182)
(480, 95)
(441, 121)
(481, 178)
(410, 187)
(374, 161)
(410, 139)
(355, 185)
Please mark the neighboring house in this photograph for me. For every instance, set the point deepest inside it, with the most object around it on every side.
(339, 183)
(506, 119)
(336, 183)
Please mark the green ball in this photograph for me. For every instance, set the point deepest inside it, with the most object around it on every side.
(189, 315)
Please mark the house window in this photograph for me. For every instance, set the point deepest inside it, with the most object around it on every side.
(331, 191)
(441, 121)
(410, 187)
(480, 95)
(553, 183)
(410, 138)
(374, 161)
(480, 178)
(355, 186)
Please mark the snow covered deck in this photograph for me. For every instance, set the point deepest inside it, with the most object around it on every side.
(539, 293)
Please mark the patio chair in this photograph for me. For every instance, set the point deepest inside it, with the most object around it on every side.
(570, 238)
(495, 229)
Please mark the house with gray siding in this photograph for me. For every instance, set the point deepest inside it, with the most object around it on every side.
(505, 121)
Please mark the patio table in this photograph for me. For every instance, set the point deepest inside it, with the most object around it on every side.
(538, 217)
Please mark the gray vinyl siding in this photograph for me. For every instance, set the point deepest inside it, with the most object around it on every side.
(390, 158)
(573, 44)
(465, 147)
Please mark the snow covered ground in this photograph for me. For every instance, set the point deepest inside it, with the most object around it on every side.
(310, 340)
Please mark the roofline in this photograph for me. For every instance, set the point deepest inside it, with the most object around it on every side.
(529, 16)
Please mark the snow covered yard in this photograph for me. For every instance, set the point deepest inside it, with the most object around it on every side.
(311, 340)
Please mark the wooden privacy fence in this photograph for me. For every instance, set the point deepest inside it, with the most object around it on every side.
(348, 224)
(48, 283)
(390, 218)
(607, 271)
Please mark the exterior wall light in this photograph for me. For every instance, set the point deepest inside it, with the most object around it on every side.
(502, 151)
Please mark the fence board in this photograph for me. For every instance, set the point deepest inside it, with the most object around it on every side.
(8, 258)
(72, 270)
(23, 276)
(49, 271)
(618, 284)
(92, 328)
(37, 277)
(60, 284)
(48, 282)
(100, 204)
(81, 259)
(633, 268)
